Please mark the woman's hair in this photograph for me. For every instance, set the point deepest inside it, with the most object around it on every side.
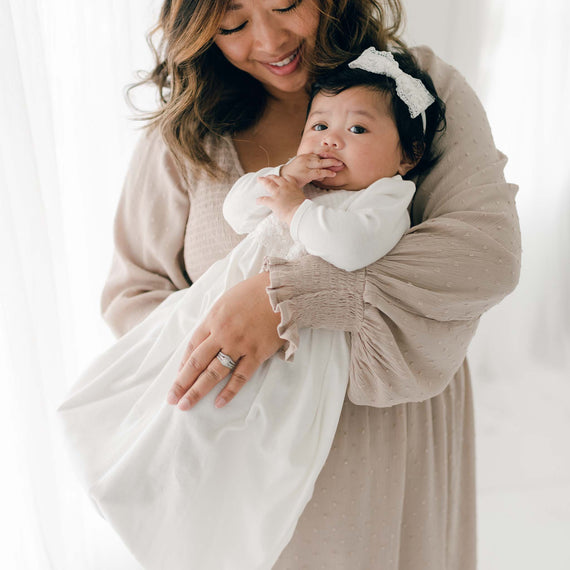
(415, 143)
(202, 94)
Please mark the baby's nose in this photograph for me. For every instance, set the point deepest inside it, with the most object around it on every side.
(331, 140)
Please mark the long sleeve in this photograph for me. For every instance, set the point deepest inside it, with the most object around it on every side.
(412, 313)
(149, 231)
(240, 208)
(368, 227)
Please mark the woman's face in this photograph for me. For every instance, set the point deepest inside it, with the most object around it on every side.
(268, 39)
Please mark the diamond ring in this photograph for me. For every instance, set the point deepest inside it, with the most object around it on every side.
(226, 360)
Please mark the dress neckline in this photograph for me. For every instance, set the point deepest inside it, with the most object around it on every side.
(235, 156)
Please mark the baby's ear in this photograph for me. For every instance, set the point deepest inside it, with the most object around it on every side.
(408, 163)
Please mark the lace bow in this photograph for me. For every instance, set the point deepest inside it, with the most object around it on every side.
(410, 89)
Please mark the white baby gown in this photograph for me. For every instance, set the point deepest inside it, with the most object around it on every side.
(208, 488)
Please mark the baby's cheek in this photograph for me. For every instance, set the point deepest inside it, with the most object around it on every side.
(306, 146)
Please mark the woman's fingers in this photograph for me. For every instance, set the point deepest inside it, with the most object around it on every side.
(241, 322)
(243, 372)
(200, 335)
(197, 361)
(212, 376)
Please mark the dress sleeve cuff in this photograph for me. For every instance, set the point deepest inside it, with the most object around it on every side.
(302, 291)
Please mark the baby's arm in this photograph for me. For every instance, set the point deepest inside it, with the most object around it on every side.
(368, 229)
(240, 208)
(285, 192)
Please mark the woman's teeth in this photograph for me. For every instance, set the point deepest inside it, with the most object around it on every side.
(285, 61)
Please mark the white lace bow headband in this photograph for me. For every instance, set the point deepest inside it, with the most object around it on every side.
(410, 89)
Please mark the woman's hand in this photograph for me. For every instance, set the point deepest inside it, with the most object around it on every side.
(241, 324)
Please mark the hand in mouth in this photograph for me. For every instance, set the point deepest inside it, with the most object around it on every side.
(338, 168)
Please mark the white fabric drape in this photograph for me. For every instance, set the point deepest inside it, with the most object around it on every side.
(65, 142)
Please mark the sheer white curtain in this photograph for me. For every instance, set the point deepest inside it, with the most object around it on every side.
(65, 142)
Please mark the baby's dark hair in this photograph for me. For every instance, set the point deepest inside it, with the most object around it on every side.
(416, 145)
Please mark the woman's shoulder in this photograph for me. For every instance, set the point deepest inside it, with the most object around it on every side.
(468, 155)
(461, 102)
(447, 79)
(152, 156)
(152, 165)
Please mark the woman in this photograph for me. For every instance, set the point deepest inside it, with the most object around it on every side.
(397, 490)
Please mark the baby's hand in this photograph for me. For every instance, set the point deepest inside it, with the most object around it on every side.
(284, 196)
(306, 168)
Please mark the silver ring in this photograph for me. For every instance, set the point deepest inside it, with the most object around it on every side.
(226, 360)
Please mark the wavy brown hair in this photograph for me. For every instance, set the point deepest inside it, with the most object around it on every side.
(201, 94)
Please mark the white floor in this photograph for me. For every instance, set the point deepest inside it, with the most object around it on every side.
(523, 428)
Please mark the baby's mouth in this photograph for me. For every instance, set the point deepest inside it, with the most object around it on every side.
(333, 168)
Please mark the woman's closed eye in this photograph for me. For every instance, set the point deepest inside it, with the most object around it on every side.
(289, 8)
(227, 32)
(286, 10)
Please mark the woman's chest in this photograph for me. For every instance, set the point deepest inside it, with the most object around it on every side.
(208, 236)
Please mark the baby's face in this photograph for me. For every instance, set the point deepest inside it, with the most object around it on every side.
(356, 127)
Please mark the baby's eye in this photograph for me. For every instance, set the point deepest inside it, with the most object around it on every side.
(357, 130)
(319, 127)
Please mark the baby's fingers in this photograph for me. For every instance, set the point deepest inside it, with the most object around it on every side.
(326, 162)
(323, 173)
(270, 181)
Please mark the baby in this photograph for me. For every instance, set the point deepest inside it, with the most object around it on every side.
(176, 484)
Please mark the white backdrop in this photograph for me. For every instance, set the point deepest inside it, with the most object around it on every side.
(65, 142)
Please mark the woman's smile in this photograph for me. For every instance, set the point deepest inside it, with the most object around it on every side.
(286, 65)
(270, 41)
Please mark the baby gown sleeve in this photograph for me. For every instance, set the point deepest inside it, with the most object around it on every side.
(149, 231)
(412, 313)
(240, 208)
(366, 229)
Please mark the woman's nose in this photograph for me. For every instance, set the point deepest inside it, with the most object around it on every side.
(270, 35)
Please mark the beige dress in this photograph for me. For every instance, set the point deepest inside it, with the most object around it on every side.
(397, 491)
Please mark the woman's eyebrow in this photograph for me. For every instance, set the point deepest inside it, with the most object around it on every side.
(234, 6)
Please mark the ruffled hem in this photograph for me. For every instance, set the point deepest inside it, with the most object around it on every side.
(278, 293)
(296, 290)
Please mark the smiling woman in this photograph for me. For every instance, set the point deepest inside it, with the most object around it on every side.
(202, 93)
(397, 488)
(270, 44)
